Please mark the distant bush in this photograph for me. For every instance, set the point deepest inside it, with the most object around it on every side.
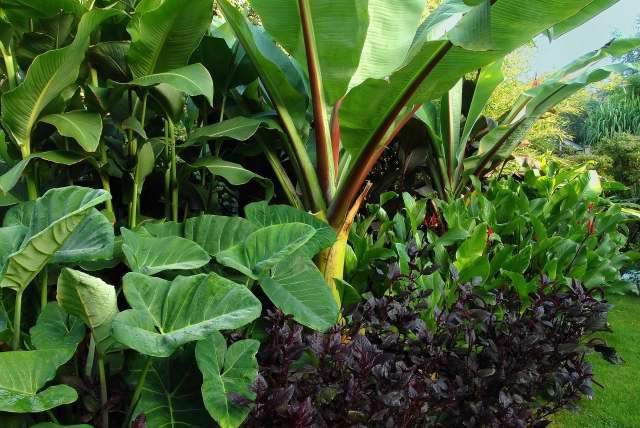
(619, 157)
(617, 114)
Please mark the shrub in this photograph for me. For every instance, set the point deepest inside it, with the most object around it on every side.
(624, 152)
(488, 362)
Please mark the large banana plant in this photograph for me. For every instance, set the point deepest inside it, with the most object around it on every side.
(463, 143)
(363, 68)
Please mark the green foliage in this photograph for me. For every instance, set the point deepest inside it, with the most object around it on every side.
(622, 155)
(617, 114)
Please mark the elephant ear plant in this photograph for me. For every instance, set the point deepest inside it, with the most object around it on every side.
(363, 68)
(462, 142)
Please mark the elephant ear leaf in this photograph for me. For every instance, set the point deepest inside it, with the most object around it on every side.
(266, 247)
(169, 314)
(90, 299)
(217, 233)
(150, 255)
(227, 372)
(262, 214)
(51, 220)
(298, 288)
(25, 373)
(55, 329)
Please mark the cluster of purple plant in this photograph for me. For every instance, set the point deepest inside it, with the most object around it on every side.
(498, 364)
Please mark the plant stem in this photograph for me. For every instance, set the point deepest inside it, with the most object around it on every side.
(167, 173)
(104, 398)
(17, 315)
(88, 369)
(174, 173)
(137, 392)
(53, 417)
(44, 295)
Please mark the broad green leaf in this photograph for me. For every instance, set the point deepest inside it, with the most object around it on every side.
(42, 8)
(150, 255)
(298, 288)
(57, 330)
(442, 63)
(217, 233)
(165, 34)
(589, 11)
(90, 299)
(82, 126)
(92, 240)
(9, 179)
(25, 373)
(48, 75)
(488, 80)
(238, 128)
(171, 395)
(192, 79)
(169, 314)
(472, 248)
(274, 67)
(234, 173)
(262, 214)
(53, 219)
(227, 371)
(392, 27)
(338, 31)
(266, 247)
(10, 238)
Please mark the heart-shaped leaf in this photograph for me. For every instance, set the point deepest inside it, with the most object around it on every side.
(25, 373)
(168, 314)
(217, 233)
(57, 330)
(90, 299)
(227, 371)
(262, 214)
(151, 255)
(298, 288)
(52, 219)
(171, 394)
(266, 247)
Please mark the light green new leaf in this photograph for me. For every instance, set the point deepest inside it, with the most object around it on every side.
(262, 214)
(234, 173)
(473, 247)
(488, 80)
(52, 220)
(298, 288)
(266, 247)
(9, 179)
(48, 75)
(171, 395)
(82, 126)
(217, 233)
(168, 314)
(149, 255)
(165, 34)
(392, 27)
(192, 79)
(227, 371)
(25, 373)
(55, 329)
(90, 299)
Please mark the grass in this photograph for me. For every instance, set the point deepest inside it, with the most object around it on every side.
(615, 406)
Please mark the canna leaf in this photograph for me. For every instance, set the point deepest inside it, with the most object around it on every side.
(234, 173)
(82, 126)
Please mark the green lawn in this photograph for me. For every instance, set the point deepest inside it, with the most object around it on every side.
(615, 406)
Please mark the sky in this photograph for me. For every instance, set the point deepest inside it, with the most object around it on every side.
(620, 18)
